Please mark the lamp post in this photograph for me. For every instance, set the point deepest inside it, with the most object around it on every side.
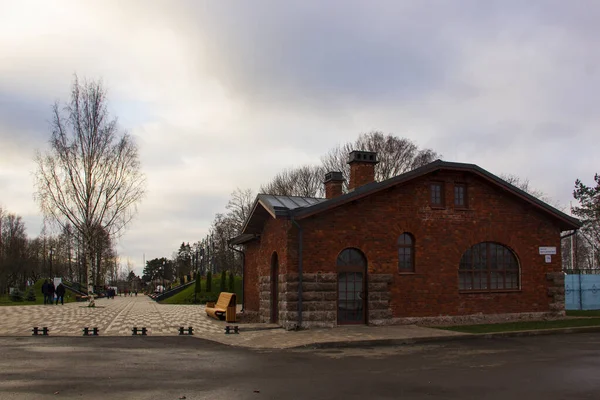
(163, 276)
(51, 251)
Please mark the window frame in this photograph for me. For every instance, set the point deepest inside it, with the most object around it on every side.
(403, 247)
(442, 203)
(465, 197)
(482, 253)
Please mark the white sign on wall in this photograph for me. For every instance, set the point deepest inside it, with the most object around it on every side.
(548, 250)
(548, 258)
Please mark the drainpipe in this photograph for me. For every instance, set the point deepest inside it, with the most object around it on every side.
(299, 272)
(569, 234)
(243, 274)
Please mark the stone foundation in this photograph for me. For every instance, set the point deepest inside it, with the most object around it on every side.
(287, 300)
(319, 300)
(556, 290)
(319, 305)
(379, 299)
(476, 319)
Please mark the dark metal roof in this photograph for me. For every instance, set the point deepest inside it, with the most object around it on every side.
(282, 204)
(240, 239)
(275, 206)
(569, 222)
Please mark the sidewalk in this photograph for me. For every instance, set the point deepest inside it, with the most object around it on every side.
(116, 317)
(341, 336)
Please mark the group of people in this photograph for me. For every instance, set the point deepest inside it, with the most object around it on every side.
(110, 292)
(51, 293)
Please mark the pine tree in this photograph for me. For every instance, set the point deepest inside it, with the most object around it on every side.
(231, 282)
(209, 282)
(198, 288)
(223, 280)
(30, 295)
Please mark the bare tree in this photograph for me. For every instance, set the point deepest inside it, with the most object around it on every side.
(396, 155)
(90, 177)
(524, 185)
(14, 243)
(239, 207)
(305, 181)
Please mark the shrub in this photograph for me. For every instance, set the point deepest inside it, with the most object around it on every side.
(223, 280)
(231, 282)
(207, 297)
(198, 287)
(17, 295)
(30, 295)
(209, 282)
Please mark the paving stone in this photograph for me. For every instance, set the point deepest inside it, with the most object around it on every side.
(113, 317)
(116, 317)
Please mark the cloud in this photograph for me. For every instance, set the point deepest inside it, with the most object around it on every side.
(220, 96)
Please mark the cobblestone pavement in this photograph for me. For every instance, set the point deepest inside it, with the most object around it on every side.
(116, 317)
(113, 317)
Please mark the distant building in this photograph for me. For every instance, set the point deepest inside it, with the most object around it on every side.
(447, 241)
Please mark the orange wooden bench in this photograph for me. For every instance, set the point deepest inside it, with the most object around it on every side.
(219, 309)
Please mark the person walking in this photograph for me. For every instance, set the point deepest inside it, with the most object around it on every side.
(45, 291)
(60, 294)
(51, 290)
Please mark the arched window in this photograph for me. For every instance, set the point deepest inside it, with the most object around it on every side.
(488, 266)
(406, 253)
(351, 258)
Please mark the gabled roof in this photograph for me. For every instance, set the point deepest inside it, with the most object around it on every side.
(303, 207)
(267, 205)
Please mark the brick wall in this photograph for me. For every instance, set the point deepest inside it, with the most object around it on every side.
(361, 173)
(258, 259)
(373, 224)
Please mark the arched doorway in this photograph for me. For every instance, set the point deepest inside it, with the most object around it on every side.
(274, 288)
(352, 273)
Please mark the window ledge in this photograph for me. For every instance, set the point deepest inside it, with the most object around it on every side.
(462, 208)
(437, 207)
(406, 273)
(490, 291)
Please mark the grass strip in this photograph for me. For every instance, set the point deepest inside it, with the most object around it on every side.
(583, 313)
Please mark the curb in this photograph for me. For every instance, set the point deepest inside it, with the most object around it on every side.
(441, 339)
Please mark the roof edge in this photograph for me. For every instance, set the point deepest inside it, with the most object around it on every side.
(573, 223)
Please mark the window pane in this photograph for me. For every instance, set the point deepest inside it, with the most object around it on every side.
(405, 258)
(351, 257)
(466, 262)
(481, 279)
(465, 281)
(459, 195)
(493, 267)
(436, 193)
(405, 239)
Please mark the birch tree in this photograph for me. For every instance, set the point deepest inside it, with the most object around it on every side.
(90, 176)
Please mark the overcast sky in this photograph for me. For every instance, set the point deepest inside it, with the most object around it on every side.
(224, 94)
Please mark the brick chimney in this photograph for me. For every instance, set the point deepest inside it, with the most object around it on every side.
(362, 168)
(334, 181)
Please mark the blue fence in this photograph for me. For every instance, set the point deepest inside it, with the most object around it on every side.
(582, 292)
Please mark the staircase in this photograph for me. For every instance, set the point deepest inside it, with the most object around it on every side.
(173, 292)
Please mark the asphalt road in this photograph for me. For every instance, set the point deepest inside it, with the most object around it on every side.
(541, 367)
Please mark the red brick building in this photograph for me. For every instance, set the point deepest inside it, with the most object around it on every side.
(445, 241)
